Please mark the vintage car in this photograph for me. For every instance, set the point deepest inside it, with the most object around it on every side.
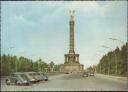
(44, 76)
(17, 79)
(91, 73)
(30, 76)
(85, 74)
(38, 76)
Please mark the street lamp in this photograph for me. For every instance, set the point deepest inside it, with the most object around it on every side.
(9, 48)
(114, 39)
(39, 65)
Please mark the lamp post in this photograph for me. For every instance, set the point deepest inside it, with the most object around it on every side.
(38, 66)
(16, 65)
(114, 39)
(38, 62)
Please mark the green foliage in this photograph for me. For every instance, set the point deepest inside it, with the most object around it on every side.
(51, 64)
(8, 65)
(114, 62)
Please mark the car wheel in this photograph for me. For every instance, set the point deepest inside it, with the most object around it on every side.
(17, 84)
(7, 82)
(27, 84)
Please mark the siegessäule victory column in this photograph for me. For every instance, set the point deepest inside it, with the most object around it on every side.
(71, 63)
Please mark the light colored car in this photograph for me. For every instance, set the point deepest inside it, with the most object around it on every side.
(44, 76)
(30, 77)
(38, 76)
(17, 79)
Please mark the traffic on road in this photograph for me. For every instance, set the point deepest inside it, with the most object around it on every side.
(71, 81)
(25, 78)
(28, 78)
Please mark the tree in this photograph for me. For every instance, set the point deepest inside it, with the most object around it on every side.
(9, 63)
(114, 62)
(51, 65)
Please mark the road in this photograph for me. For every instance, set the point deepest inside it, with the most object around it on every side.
(73, 82)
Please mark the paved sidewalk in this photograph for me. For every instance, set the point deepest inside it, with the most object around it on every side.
(115, 77)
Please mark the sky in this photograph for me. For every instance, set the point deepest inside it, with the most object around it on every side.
(40, 29)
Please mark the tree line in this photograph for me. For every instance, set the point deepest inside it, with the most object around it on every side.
(11, 64)
(114, 62)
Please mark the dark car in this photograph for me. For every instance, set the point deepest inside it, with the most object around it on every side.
(85, 74)
(17, 79)
(30, 77)
(11, 80)
(91, 73)
(44, 76)
(66, 72)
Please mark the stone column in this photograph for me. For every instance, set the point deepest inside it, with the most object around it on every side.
(74, 58)
(71, 33)
(68, 58)
(78, 58)
(65, 58)
(82, 67)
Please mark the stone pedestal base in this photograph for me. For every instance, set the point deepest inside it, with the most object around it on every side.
(71, 68)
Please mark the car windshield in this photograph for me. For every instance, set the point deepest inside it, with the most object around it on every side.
(85, 72)
(12, 79)
(34, 73)
(14, 75)
(24, 77)
(42, 73)
(30, 74)
(37, 74)
(91, 72)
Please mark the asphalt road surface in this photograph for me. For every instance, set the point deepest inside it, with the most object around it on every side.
(73, 82)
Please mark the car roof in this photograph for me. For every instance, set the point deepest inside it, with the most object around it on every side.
(40, 72)
(11, 77)
(29, 72)
(18, 73)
